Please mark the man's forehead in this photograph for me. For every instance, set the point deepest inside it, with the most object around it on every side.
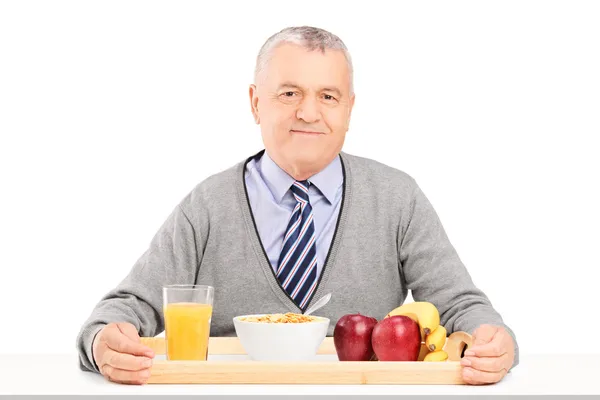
(307, 69)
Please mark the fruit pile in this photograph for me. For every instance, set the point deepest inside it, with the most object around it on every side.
(411, 332)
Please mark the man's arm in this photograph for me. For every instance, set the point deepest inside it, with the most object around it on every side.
(172, 258)
(434, 272)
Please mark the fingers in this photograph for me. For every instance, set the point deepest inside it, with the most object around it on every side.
(129, 330)
(124, 361)
(122, 376)
(490, 358)
(496, 347)
(493, 349)
(484, 334)
(475, 377)
(486, 364)
(120, 355)
(121, 343)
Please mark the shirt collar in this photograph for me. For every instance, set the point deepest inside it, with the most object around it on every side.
(329, 179)
(279, 182)
(277, 179)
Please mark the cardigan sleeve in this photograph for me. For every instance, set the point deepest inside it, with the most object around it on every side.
(171, 258)
(434, 272)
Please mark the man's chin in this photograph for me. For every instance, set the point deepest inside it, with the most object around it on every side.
(307, 157)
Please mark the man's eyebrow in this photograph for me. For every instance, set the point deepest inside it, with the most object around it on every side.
(289, 85)
(325, 89)
(333, 89)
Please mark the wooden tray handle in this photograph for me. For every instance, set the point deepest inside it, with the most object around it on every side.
(456, 344)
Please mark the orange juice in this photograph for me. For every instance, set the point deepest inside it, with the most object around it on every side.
(187, 329)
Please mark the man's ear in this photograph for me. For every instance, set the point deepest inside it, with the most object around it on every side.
(351, 106)
(254, 103)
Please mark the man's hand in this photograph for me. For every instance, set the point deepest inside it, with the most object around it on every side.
(490, 357)
(120, 356)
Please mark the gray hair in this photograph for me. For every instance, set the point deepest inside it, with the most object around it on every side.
(308, 37)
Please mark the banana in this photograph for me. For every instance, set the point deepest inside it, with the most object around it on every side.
(423, 352)
(439, 355)
(437, 339)
(426, 314)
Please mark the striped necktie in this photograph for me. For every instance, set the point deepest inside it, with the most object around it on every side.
(297, 268)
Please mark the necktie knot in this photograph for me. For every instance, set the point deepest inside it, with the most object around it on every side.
(300, 190)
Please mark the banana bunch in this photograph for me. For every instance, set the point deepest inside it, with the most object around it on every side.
(433, 335)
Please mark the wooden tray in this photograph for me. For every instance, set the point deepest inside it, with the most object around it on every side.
(326, 369)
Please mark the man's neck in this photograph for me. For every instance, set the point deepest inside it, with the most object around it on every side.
(303, 172)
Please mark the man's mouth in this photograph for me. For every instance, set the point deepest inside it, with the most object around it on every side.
(303, 132)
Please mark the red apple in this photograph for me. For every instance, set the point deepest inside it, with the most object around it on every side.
(396, 338)
(352, 337)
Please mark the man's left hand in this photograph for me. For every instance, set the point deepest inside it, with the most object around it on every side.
(491, 356)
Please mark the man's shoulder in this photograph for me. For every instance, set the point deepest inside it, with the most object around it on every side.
(365, 169)
(216, 188)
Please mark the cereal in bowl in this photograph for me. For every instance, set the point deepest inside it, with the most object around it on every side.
(287, 318)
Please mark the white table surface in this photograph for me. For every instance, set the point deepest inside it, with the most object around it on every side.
(60, 374)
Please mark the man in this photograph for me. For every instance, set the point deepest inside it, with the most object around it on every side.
(298, 220)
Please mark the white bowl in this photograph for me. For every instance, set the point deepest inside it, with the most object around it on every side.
(280, 342)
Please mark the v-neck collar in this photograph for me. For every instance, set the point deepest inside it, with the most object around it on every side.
(327, 181)
(263, 259)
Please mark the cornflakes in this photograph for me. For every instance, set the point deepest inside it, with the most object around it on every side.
(287, 318)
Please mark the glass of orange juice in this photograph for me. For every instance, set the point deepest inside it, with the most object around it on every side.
(188, 312)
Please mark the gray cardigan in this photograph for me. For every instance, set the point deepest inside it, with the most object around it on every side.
(388, 240)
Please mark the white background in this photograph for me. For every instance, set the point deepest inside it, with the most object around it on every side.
(112, 111)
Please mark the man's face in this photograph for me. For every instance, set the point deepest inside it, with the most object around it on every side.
(303, 103)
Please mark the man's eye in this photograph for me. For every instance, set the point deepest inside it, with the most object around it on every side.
(288, 94)
(328, 97)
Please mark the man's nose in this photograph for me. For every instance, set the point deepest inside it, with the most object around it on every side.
(309, 110)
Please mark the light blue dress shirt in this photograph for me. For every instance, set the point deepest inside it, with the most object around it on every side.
(272, 204)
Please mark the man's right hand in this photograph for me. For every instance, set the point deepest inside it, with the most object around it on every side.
(120, 355)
